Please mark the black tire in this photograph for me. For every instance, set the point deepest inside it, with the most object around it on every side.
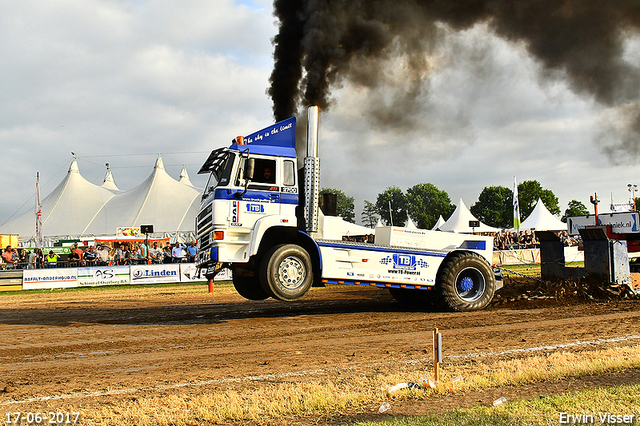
(247, 284)
(286, 272)
(413, 298)
(466, 282)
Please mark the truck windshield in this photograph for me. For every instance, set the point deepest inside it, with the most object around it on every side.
(220, 165)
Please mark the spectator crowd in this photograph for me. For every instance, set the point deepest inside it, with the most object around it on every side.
(139, 253)
(98, 255)
(507, 240)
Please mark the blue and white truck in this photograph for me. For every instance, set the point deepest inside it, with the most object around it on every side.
(260, 217)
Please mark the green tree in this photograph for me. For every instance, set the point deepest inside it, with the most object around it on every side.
(529, 192)
(575, 208)
(345, 205)
(425, 204)
(494, 207)
(394, 195)
(369, 216)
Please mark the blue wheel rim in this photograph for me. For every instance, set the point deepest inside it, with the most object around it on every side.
(470, 284)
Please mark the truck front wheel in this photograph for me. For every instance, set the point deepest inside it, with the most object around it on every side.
(247, 284)
(286, 272)
(466, 282)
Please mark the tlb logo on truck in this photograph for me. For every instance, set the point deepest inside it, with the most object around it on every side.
(403, 262)
(255, 208)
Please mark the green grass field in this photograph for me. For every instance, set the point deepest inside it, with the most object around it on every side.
(595, 406)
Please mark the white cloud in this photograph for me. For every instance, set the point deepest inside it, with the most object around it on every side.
(119, 81)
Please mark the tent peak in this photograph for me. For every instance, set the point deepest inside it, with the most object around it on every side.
(73, 168)
(184, 176)
(159, 163)
(109, 182)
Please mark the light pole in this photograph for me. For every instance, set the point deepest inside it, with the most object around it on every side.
(632, 189)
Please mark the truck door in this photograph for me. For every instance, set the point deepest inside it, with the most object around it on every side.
(262, 197)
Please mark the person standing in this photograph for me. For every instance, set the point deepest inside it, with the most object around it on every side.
(33, 256)
(177, 254)
(75, 257)
(7, 256)
(122, 256)
(155, 254)
(51, 261)
(90, 256)
(144, 253)
(192, 250)
(103, 256)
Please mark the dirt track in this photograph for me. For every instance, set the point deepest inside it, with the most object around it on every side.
(134, 339)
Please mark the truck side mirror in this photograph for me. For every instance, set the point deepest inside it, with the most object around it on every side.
(249, 168)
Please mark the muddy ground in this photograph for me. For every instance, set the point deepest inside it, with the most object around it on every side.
(96, 346)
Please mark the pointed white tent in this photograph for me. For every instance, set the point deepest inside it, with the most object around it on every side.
(410, 224)
(160, 201)
(109, 182)
(379, 224)
(66, 210)
(459, 222)
(541, 219)
(184, 177)
(438, 224)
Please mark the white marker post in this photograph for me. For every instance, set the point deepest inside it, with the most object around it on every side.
(437, 353)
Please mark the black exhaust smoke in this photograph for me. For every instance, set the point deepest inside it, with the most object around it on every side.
(323, 42)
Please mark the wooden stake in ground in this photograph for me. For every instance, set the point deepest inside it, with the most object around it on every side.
(437, 353)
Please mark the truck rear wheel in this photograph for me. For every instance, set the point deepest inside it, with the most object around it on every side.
(286, 272)
(247, 284)
(466, 282)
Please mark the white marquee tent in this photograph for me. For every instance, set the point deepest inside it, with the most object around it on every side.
(78, 208)
(160, 201)
(459, 222)
(410, 224)
(541, 219)
(438, 224)
(66, 210)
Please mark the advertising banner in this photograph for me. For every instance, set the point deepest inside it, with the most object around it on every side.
(189, 273)
(49, 278)
(103, 275)
(621, 223)
(153, 274)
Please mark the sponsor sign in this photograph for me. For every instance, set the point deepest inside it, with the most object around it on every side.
(255, 208)
(149, 274)
(56, 250)
(128, 232)
(406, 264)
(621, 223)
(103, 275)
(33, 279)
(189, 273)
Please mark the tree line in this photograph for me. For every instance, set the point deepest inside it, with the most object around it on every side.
(424, 203)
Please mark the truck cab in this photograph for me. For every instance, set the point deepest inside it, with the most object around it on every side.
(260, 217)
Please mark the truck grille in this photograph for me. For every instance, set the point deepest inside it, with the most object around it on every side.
(204, 223)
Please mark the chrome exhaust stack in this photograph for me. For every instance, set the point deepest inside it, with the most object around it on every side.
(312, 172)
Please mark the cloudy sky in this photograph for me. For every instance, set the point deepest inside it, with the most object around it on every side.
(120, 82)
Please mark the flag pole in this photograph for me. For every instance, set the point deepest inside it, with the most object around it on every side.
(38, 213)
(516, 206)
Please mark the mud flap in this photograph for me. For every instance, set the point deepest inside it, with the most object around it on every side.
(211, 271)
(499, 278)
